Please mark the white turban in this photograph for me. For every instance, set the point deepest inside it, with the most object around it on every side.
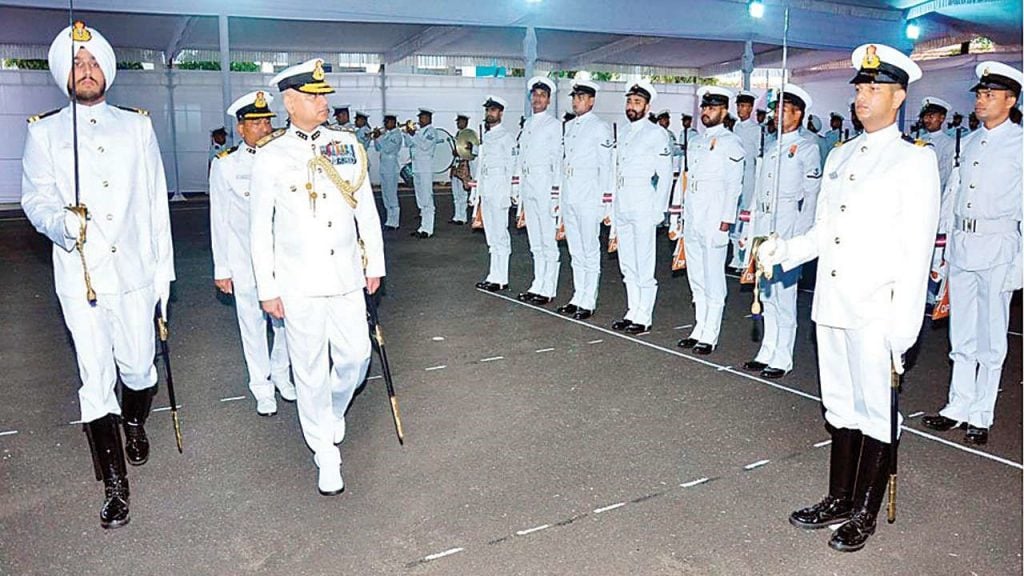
(61, 60)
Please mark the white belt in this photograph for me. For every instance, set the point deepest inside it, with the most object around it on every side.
(537, 169)
(571, 171)
(494, 170)
(986, 226)
(634, 181)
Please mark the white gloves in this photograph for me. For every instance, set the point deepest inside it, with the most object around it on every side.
(772, 251)
(163, 294)
(72, 225)
(898, 346)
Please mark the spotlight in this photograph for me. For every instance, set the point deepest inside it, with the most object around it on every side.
(913, 31)
(756, 8)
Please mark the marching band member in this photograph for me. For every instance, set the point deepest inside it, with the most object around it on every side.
(232, 258)
(422, 143)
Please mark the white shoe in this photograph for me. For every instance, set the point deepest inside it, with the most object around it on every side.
(285, 388)
(266, 406)
(329, 481)
(339, 430)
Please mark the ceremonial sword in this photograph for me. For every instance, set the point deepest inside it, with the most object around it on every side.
(377, 336)
(78, 209)
(165, 352)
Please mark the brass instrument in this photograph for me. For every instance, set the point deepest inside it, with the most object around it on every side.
(409, 127)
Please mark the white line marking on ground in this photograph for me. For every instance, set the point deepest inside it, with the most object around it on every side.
(73, 422)
(822, 444)
(693, 483)
(377, 377)
(532, 530)
(598, 341)
(724, 368)
(440, 555)
(683, 327)
(757, 464)
(915, 414)
(432, 368)
(800, 393)
(492, 358)
(542, 350)
(165, 408)
(749, 316)
(9, 433)
(608, 508)
(438, 338)
(232, 398)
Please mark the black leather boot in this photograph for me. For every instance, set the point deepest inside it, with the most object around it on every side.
(108, 455)
(842, 473)
(872, 478)
(135, 406)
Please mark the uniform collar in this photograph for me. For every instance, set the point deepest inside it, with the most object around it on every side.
(247, 148)
(790, 136)
(882, 136)
(306, 136)
(93, 112)
(1006, 126)
(716, 130)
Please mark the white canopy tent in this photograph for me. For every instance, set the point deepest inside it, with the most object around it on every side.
(686, 38)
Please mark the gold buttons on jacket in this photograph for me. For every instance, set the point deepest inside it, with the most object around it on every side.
(852, 178)
(328, 223)
(842, 208)
(110, 217)
(837, 239)
(106, 184)
(113, 248)
(100, 148)
(833, 273)
(332, 251)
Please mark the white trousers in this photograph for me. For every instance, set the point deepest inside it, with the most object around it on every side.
(637, 233)
(540, 228)
(499, 243)
(389, 194)
(460, 200)
(583, 235)
(979, 315)
(854, 366)
(265, 364)
(778, 296)
(705, 272)
(116, 336)
(329, 346)
(423, 182)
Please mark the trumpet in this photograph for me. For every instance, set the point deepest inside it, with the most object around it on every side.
(409, 127)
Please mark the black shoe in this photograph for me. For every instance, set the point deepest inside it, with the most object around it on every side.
(482, 284)
(976, 435)
(842, 473)
(539, 300)
(853, 534)
(582, 314)
(493, 287)
(772, 373)
(569, 309)
(457, 222)
(829, 511)
(703, 348)
(621, 325)
(872, 478)
(687, 343)
(940, 423)
(635, 328)
(419, 234)
(135, 409)
(392, 228)
(527, 297)
(754, 366)
(108, 457)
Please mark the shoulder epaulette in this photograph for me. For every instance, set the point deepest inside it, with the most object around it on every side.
(340, 128)
(39, 117)
(138, 111)
(916, 142)
(270, 137)
(224, 153)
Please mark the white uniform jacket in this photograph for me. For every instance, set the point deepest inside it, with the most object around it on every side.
(229, 215)
(422, 147)
(645, 171)
(588, 169)
(715, 180)
(390, 146)
(873, 234)
(540, 153)
(302, 248)
(799, 178)
(496, 162)
(128, 238)
(988, 202)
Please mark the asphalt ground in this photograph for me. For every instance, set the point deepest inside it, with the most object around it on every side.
(535, 444)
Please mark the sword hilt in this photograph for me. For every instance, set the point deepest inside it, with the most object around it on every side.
(80, 211)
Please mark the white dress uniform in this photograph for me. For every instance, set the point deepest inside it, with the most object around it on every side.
(496, 162)
(390, 146)
(832, 137)
(307, 252)
(128, 241)
(232, 258)
(984, 256)
(713, 189)
(641, 199)
(791, 214)
(422, 147)
(538, 164)
(749, 132)
(873, 234)
(587, 173)
(687, 136)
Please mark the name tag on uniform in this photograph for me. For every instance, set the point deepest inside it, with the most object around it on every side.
(339, 154)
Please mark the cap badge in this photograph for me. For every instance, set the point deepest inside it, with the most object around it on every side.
(871, 60)
(318, 71)
(79, 33)
(984, 72)
(260, 102)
